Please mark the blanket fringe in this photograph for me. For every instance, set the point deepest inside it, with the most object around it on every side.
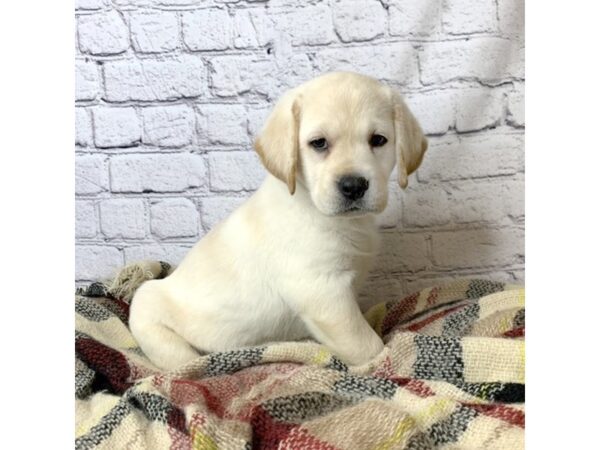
(131, 277)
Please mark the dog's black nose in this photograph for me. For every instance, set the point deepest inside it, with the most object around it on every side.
(353, 187)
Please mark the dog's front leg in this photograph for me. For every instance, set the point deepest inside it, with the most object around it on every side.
(339, 324)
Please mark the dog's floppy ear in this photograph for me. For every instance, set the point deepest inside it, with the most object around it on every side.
(277, 144)
(411, 143)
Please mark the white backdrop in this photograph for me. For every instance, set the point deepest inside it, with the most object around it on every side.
(169, 94)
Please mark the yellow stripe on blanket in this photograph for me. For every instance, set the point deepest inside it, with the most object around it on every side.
(321, 356)
(404, 426)
(203, 441)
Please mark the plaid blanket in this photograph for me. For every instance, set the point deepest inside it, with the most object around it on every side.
(451, 376)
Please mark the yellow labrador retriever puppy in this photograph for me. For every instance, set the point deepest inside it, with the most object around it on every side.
(287, 264)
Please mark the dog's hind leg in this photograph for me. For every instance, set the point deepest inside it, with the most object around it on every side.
(165, 348)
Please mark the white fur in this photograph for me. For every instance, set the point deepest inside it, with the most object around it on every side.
(283, 266)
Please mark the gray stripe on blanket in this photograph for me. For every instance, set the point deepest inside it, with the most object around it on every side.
(365, 386)
(438, 358)
(232, 361)
(305, 406)
(459, 323)
(105, 427)
(445, 432)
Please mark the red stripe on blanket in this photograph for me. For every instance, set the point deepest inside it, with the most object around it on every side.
(516, 332)
(405, 307)
(433, 296)
(184, 392)
(267, 433)
(385, 370)
(502, 412)
(178, 433)
(418, 325)
(417, 387)
(124, 307)
(110, 366)
(299, 438)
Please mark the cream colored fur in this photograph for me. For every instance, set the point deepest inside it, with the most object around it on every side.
(287, 264)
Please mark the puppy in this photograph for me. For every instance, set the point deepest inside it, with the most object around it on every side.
(288, 263)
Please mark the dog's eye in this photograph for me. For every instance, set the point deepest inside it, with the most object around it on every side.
(377, 140)
(319, 145)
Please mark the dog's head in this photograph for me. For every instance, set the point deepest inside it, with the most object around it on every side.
(339, 136)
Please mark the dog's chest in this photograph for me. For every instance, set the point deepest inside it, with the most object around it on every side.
(339, 248)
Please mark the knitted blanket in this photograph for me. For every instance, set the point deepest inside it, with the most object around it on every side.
(451, 376)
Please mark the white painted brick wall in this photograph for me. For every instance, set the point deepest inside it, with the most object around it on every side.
(170, 94)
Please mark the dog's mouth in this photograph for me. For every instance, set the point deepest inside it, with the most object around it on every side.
(354, 209)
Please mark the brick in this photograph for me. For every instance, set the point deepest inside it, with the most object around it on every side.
(478, 248)
(83, 128)
(284, 3)
(168, 126)
(230, 75)
(102, 33)
(157, 173)
(129, 4)
(438, 280)
(149, 80)
(397, 62)
(96, 262)
(89, 4)
(174, 217)
(116, 127)
(90, 174)
(85, 219)
(179, 2)
(418, 284)
(216, 208)
(455, 158)
(490, 60)
(519, 276)
(171, 253)
(408, 17)
(382, 288)
(516, 106)
(490, 201)
(87, 80)
(477, 109)
(435, 110)
(264, 28)
(223, 124)
(257, 116)
(237, 75)
(511, 17)
(425, 207)
(244, 30)
(154, 32)
(207, 29)
(123, 218)
(235, 171)
(357, 20)
(469, 16)
(402, 252)
(309, 25)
